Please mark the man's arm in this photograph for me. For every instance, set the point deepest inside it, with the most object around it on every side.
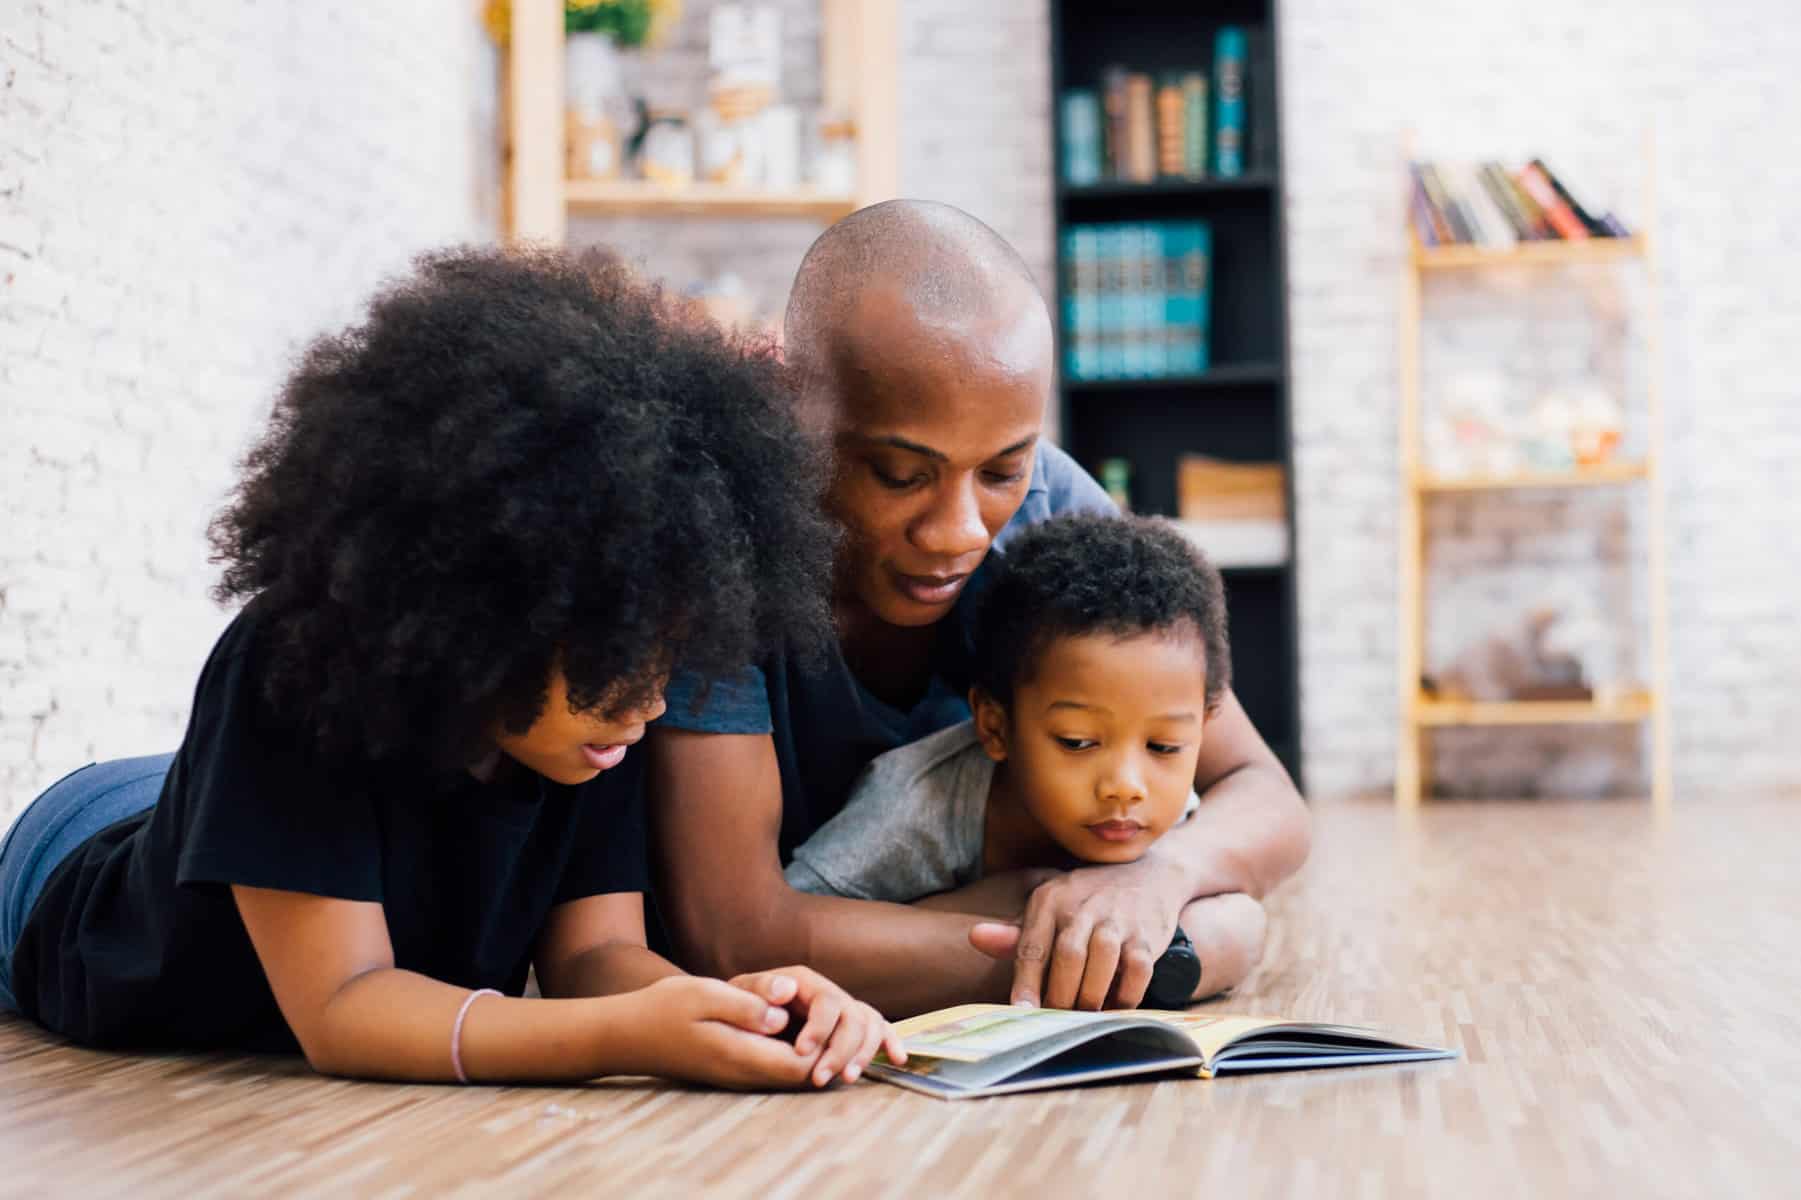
(1094, 924)
(716, 811)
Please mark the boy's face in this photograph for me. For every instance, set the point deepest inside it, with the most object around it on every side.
(934, 434)
(574, 747)
(1101, 741)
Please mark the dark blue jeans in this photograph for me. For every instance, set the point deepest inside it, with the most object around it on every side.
(73, 810)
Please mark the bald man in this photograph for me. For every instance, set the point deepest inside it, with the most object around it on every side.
(922, 346)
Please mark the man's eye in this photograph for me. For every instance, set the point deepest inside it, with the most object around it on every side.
(1003, 478)
(1073, 743)
(1165, 748)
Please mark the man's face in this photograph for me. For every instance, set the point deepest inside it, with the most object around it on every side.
(1102, 738)
(935, 431)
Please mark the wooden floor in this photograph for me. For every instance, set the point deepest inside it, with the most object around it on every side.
(1623, 994)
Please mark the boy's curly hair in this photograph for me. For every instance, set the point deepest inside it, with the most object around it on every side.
(1087, 573)
(520, 459)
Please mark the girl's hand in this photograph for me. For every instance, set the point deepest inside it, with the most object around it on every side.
(707, 1031)
(844, 1033)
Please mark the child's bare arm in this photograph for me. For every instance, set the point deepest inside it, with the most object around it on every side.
(331, 966)
(1227, 932)
(1002, 895)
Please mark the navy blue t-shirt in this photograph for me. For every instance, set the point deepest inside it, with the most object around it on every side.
(136, 940)
(827, 726)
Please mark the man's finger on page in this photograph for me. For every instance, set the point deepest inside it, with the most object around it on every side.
(996, 939)
(1103, 962)
(1069, 959)
(1035, 936)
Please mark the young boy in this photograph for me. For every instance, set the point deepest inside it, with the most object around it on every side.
(1099, 655)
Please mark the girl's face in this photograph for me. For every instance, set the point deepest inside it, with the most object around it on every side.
(1100, 743)
(573, 747)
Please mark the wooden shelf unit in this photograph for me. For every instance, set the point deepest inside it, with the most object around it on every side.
(1237, 409)
(1420, 712)
(859, 51)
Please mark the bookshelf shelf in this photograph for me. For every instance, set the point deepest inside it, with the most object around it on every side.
(1250, 181)
(1237, 410)
(1615, 710)
(1225, 375)
(1421, 712)
(1597, 476)
(637, 198)
(1526, 254)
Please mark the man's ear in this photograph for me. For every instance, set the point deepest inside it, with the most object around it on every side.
(991, 723)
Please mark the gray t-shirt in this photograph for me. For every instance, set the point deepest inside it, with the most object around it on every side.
(911, 828)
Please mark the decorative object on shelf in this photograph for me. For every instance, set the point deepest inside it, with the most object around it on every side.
(1116, 480)
(598, 115)
(1519, 663)
(1473, 430)
(835, 168)
(1236, 512)
(665, 154)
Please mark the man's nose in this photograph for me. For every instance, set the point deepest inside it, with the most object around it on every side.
(953, 526)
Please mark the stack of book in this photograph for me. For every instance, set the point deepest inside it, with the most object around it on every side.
(1138, 128)
(1237, 513)
(1135, 300)
(1485, 204)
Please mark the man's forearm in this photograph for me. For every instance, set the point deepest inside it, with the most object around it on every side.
(902, 960)
(1250, 833)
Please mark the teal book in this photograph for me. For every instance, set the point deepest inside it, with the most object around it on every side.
(1083, 333)
(1110, 360)
(1194, 125)
(1231, 49)
(1156, 301)
(1082, 138)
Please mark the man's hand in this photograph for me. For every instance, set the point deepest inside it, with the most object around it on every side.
(1089, 938)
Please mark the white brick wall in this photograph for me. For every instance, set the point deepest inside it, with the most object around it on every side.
(187, 191)
(1577, 83)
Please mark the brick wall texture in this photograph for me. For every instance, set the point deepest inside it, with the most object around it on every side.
(187, 191)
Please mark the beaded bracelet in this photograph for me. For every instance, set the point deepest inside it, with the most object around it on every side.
(456, 1032)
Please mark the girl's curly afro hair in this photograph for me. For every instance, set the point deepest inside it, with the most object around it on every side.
(520, 460)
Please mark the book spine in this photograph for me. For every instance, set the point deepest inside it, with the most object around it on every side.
(1491, 223)
(1172, 128)
(1113, 108)
(1141, 129)
(1591, 223)
(1429, 215)
(1081, 136)
(1110, 362)
(1494, 182)
(1230, 49)
(1535, 216)
(1200, 282)
(1564, 221)
(1441, 200)
(1088, 303)
(1194, 125)
(1615, 226)
(1156, 302)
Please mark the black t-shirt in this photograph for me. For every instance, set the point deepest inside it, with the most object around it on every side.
(137, 942)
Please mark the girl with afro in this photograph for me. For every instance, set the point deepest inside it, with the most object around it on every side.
(480, 527)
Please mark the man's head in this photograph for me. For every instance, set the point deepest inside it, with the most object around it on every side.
(923, 346)
(1099, 653)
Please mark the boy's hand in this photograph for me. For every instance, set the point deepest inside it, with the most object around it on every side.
(1090, 936)
(841, 1034)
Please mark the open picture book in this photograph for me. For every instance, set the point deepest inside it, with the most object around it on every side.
(991, 1049)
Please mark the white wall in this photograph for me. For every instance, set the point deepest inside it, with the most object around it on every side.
(187, 192)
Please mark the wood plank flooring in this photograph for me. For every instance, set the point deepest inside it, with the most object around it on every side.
(1623, 992)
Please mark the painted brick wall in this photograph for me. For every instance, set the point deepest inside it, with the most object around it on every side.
(1578, 83)
(187, 191)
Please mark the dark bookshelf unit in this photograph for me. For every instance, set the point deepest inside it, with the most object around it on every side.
(1237, 409)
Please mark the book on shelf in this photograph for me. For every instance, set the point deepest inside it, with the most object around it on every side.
(992, 1049)
(1237, 513)
(1486, 204)
(1231, 49)
(1182, 123)
(1135, 299)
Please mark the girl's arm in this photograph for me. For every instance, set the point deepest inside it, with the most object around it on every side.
(331, 966)
(595, 947)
